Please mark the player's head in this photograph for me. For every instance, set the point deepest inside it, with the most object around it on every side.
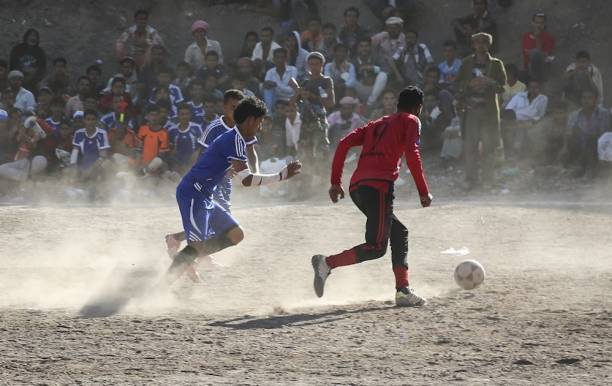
(90, 118)
(184, 113)
(249, 116)
(231, 99)
(410, 100)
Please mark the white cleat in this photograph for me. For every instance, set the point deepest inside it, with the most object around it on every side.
(406, 297)
(321, 272)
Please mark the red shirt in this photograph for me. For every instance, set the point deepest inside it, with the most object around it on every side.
(383, 142)
(529, 43)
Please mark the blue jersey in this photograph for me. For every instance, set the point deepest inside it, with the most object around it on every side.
(89, 146)
(184, 143)
(197, 112)
(176, 96)
(110, 121)
(210, 169)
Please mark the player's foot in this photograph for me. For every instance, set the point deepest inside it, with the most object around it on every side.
(321, 272)
(193, 273)
(172, 245)
(405, 297)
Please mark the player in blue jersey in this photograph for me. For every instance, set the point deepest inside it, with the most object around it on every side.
(183, 138)
(208, 226)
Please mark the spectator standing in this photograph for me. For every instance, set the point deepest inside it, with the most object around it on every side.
(480, 20)
(538, 48)
(24, 99)
(195, 54)
(352, 33)
(29, 58)
(279, 80)
(580, 76)
(138, 40)
(481, 77)
(371, 79)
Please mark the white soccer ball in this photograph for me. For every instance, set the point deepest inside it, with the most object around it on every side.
(469, 274)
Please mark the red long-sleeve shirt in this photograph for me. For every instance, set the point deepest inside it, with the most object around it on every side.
(383, 142)
(530, 43)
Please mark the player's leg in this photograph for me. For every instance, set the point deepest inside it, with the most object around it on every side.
(377, 205)
(404, 295)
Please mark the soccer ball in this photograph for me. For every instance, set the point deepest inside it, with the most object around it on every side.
(469, 274)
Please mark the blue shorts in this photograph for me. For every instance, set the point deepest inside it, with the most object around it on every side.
(203, 218)
(223, 192)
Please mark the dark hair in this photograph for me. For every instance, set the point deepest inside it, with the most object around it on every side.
(3, 63)
(118, 79)
(340, 46)
(583, 55)
(251, 33)
(165, 70)
(141, 12)
(31, 31)
(164, 104)
(212, 53)
(183, 106)
(314, 18)
(352, 9)
(269, 29)
(249, 107)
(94, 67)
(540, 14)
(364, 39)
(511, 68)
(450, 43)
(233, 94)
(83, 77)
(329, 26)
(57, 101)
(60, 60)
(410, 97)
(90, 112)
(281, 50)
(412, 30)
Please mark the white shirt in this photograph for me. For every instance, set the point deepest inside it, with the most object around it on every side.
(196, 58)
(258, 51)
(24, 100)
(292, 130)
(282, 90)
(525, 110)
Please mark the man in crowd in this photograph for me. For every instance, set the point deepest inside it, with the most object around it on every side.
(480, 20)
(449, 68)
(580, 76)
(352, 33)
(195, 54)
(390, 46)
(24, 99)
(138, 40)
(538, 48)
(371, 79)
(343, 121)
(279, 79)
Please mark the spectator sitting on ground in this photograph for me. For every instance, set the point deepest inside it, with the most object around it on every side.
(341, 71)
(183, 139)
(371, 79)
(195, 54)
(248, 45)
(118, 86)
(246, 69)
(25, 163)
(580, 76)
(7, 99)
(388, 105)
(263, 53)
(196, 103)
(212, 67)
(311, 38)
(480, 20)
(29, 58)
(343, 121)
(514, 85)
(296, 54)
(90, 148)
(94, 73)
(538, 48)
(390, 46)
(523, 111)
(138, 40)
(118, 124)
(329, 42)
(184, 76)
(584, 127)
(59, 80)
(43, 107)
(164, 80)
(416, 59)
(153, 142)
(279, 79)
(352, 33)
(75, 103)
(449, 68)
(444, 97)
(24, 99)
(56, 114)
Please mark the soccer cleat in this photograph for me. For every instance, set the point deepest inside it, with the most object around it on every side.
(405, 297)
(321, 272)
(172, 245)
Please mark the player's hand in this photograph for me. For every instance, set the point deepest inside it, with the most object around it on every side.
(335, 191)
(294, 168)
(426, 200)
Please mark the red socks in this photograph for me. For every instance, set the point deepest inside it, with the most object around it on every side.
(401, 276)
(348, 257)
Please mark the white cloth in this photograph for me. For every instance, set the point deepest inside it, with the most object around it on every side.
(604, 147)
(282, 90)
(292, 131)
(258, 51)
(20, 170)
(528, 111)
(24, 100)
(196, 58)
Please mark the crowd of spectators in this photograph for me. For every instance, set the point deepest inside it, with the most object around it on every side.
(150, 116)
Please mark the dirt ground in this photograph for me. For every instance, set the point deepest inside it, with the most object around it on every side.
(543, 315)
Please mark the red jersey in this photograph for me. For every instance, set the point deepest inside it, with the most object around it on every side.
(383, 142)
(529, 43)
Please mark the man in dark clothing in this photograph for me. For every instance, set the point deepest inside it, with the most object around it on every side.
(480, 20)
(30, 59)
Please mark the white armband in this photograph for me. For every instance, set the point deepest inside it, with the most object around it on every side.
(74, 156)
(262, 179)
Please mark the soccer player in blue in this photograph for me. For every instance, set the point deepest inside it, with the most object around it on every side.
(183, 138)
(208, 226)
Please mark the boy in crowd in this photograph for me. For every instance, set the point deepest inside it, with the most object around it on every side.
(118, 125)
(56, 109)
(212, 67)
(196, 103)
(279, 79)
(164, 80)
(184, 76)
(90, 147)
(210, 112)
(449, 68)
(183, 138)
(153, 142)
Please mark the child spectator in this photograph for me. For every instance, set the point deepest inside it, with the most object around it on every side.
(118, 124)
(94, 73)
(449, 68)
(90, 146)
(293, 127)
(127, 71)
(196, 103)
(183, 139)
(56, 109)
(164, 80)
(148, 74)
(7, 100)
(184, 76)
(24, 99)
(371, 79)
(195, 54)
(210, 112)
(480, 20)
(118, 86)
(352, 33)
(75, 103)
(211, 83)
(138, 40)
(580, 76)
(44, 98)
(341, 71)
(153, 142)
(538, 48)
(278, 79)
(514, 85)
(212, 67)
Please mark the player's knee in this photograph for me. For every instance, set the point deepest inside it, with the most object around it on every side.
(374, 251)
(235, 235)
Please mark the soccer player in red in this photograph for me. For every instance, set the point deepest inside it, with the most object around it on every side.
(383, 143)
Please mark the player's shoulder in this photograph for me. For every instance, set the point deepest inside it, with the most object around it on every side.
(79, 133)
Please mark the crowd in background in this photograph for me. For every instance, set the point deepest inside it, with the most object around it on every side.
(319, 80)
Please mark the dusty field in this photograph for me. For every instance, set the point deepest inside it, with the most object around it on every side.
(543, 316)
